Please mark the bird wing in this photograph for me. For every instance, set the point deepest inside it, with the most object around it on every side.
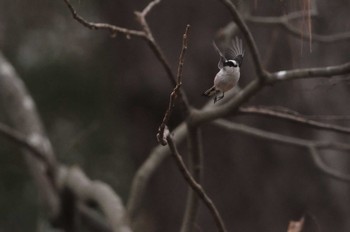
(222, 57)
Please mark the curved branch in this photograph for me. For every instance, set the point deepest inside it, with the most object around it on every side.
(145, 34)
(309, 144)
(86, 190)
(264, 111)
(195, 186)
(103, 26)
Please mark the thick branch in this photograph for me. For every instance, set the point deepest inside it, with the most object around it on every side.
(20, 108)
(195, 167)
(202, 116)
(102, 194)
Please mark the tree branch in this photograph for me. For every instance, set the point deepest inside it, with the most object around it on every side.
(284, 22)
(328, 71)
(86, 190)
(161, 136)
(195, 186)
(264, 111)
(202, 116)
(312, 146)
(145, 34)
(103, 26)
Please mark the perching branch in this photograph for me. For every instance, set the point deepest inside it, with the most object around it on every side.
(201, 116)
(195, 186)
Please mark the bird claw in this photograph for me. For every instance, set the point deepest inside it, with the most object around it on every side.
(218, 98)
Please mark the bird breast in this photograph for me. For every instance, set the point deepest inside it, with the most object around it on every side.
(226, 79)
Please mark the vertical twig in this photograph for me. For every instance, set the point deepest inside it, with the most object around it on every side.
(196, 187)
(161, 136)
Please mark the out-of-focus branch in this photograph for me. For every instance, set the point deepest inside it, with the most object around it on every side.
(21, 140)
(86, 190)
(195, 186)
(328, 71)
(21, 112)
(324, 168)
(284, 22)
(47, 173)
(161, 136)
(311, 145)
(238, 19)
(296, 118)
(195, 167)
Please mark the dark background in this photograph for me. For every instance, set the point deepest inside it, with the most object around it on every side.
(102, 99)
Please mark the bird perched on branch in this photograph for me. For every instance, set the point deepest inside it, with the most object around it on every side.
(229, 65)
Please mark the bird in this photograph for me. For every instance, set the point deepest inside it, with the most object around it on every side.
(229, 70)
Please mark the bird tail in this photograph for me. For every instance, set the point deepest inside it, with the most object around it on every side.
(210, 92)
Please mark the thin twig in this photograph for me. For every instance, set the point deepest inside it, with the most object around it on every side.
(292, 118)
(104, 26)
(195, 186)
(161, 136)
(145, 34)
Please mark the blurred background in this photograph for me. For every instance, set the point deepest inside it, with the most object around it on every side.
(102, 99)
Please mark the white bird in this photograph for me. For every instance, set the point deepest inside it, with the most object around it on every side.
(229, 65)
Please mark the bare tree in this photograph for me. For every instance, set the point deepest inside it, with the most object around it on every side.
(72, 200)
